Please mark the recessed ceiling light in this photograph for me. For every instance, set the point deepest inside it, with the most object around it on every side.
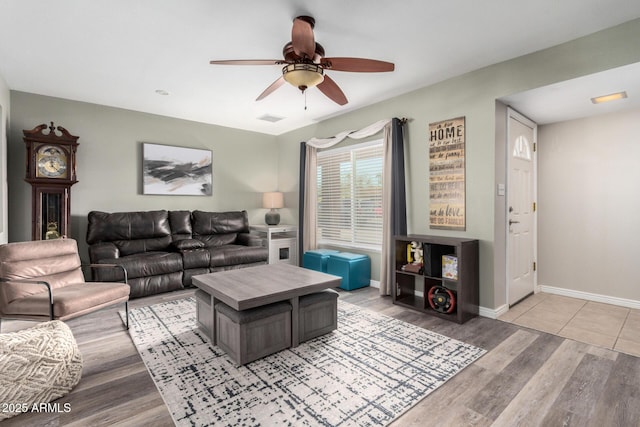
(162, 92)
(610, 97)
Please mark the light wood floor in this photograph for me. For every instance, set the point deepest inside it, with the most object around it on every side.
(527, 377)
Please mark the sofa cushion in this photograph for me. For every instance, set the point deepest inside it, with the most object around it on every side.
(133, 247)
(237, 254)
(102, 250)
(186, 244)
(180, 222)
(142, 265)
(213, 240)
(131, 232)
(216, 256)
(151, 285)
(205, 223)
(198, 258)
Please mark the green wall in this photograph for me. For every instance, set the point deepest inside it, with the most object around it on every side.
(246, 163)
(109, 162)
(474, 96)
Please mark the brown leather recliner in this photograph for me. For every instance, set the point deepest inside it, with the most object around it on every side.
(43, 280)
(162, 250)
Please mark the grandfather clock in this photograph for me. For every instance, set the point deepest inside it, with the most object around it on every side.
(51, 171)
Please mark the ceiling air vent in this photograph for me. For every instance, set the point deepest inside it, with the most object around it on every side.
(270, 118)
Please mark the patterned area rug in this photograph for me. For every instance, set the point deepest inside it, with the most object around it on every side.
(367, 372)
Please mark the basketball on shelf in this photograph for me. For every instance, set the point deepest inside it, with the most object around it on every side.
(442, 299)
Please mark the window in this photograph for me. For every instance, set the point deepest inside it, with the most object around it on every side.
(522, 148)
(350, 195)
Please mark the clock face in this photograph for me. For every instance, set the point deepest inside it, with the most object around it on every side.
(52, 162)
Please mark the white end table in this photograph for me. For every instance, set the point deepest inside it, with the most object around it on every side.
(281, 240)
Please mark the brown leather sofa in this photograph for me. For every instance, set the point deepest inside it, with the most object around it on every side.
(162, 250)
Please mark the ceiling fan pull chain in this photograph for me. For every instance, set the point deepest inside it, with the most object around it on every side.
(305, 100)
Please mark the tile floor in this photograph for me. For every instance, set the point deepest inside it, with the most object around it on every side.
(604, 325)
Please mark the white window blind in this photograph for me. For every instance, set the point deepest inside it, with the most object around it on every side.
(350, 195)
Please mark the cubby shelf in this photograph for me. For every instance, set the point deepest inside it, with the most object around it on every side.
(412, 288)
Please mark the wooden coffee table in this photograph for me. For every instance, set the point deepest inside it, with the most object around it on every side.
(251, 287)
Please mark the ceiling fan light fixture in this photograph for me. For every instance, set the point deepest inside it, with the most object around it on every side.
(303, 75)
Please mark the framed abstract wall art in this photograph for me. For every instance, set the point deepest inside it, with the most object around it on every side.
(172, 170)
(447, 174)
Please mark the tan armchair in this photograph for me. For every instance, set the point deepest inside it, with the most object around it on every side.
(43, 280)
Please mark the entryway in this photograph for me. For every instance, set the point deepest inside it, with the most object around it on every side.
(604, 325)
(521, 208)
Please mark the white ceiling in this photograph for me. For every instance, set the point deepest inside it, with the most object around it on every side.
(119, 52)
(571, 99)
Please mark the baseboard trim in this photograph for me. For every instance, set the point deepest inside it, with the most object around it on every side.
(622, 302)
(493, 313)
(374, 284)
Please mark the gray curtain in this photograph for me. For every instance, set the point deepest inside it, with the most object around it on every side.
(393, 194)
(301, 193)
(394, 201)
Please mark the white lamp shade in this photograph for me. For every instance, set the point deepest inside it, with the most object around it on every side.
(273, 200)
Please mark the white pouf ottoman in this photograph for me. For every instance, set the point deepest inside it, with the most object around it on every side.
(37, 365)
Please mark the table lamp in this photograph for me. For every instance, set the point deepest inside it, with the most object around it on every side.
(273, 200)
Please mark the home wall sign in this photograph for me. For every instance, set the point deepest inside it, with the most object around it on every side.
(447, 174)
(171, 170)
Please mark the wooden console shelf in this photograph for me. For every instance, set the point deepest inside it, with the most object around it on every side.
(412, 286)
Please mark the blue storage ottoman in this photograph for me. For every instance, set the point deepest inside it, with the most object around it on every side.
(355, 269)
(317, 259)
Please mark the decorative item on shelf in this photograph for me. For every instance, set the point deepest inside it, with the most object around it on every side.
(272, 201)
(418, 257)
(415, 259)
(52, 231)
(450, 267)
(442, 299)
(409, 253)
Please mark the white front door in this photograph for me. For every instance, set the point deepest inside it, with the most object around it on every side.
(521, 196)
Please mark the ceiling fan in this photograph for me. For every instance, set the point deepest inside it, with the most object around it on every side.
(305, 64)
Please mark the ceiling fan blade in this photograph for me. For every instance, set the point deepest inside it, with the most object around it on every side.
(247, 62)
(358, 65)
(304, 44)
(275, 85)
(333, 92)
